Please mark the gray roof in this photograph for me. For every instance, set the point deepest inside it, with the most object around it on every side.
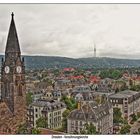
(49, 105)
(81, 89)
(124, 94)
(86, 96)
(94, 112)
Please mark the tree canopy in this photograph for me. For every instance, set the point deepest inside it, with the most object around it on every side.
(41, 122)
(117, 115)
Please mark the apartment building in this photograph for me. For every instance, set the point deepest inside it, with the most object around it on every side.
(50, 109)
(128, 101)
(101, 116)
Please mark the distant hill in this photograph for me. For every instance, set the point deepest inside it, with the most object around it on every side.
(40, 62)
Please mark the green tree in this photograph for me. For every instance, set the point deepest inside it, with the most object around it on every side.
(111, 73)
(41, 122)
(36, 131)
(89, 129)
(83, 132)
(138, 114)
(124, 121)
(125, 129)
(135, 87)
(22, 129)
(66, 113)
(70, 102)
(117, 115)
(115, 74)
(134, 117)
(29, 98)
(64, 121)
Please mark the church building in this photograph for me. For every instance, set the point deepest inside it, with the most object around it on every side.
(13, 98)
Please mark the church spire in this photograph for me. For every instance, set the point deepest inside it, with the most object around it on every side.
(12, 40)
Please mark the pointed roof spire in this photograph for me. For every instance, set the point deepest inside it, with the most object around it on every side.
(12, 40)
(12, 15)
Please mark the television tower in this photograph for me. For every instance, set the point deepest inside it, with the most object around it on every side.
(94, 50)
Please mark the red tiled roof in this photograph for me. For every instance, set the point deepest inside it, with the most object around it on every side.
(94, 79)
(76, 77)
(68, 69)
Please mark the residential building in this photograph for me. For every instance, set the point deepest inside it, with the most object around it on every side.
(128, 101)
(50, 109)
(101, 116)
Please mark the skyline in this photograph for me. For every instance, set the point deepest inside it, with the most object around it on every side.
(71, 30)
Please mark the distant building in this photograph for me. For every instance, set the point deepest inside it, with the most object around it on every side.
(54, 95)
(62, 84)
(50, 109)
(84, 97)
(128, 101)
(81, 89)
(37, 96)
(101, 116)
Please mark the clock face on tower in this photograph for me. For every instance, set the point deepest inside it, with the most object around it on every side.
(7, 69)
(18, 69)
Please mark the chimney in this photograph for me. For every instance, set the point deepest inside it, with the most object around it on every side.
(79, 105)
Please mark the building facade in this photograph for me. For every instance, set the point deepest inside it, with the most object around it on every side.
(101, 116)
(128, 101)
(51, 110)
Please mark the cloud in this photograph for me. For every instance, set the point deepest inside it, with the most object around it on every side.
(71, 30)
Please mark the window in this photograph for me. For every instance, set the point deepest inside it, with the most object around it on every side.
(36, 110)
(36, 115)
(72, 122)
(76, 122)
(125, 111)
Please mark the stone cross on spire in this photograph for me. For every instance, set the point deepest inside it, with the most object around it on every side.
(12, 14)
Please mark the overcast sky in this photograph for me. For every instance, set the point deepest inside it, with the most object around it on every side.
(71, 30)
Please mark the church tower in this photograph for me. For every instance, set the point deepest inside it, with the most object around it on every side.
(13, 73)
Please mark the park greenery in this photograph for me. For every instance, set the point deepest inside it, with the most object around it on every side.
(111, 73)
